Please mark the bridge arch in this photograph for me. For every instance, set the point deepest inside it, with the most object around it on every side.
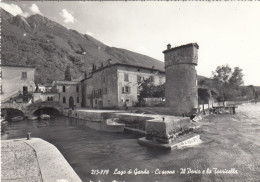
(53, 111)
(11, 112)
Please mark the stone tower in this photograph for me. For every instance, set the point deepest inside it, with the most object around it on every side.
(181, 90)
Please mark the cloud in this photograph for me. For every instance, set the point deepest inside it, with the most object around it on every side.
(13, 9)
(68, 17)
(34, 8)
(89, 33)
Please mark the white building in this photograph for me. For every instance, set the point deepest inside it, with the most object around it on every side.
(116, 85)
(16, 80)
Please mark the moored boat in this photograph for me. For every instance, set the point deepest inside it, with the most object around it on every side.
(45, 116)
(32, 117)
(3, 125)
(108, 125)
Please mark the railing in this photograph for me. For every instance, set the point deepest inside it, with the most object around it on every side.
(11, 96)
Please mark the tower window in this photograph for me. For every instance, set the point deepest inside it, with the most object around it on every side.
(64, 100)
(77, 88)
(63, 88)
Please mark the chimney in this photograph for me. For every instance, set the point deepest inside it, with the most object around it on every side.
(169, 46)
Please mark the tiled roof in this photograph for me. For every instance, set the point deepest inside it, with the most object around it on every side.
(2, 65)
(123, 64)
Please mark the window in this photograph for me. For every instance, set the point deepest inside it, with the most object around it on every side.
(64, 100)
(77, 88)
(105, 90)
(139, 78)
(126, 77)
(77, 99)
(100, 92)
(51, 99)
(126, 90)
(0, 73)
(63, 88)
(25, 89)
(48, 98)
(1, 89)
(151, 78)
(24, 75)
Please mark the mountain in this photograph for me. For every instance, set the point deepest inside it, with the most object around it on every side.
(50, 47)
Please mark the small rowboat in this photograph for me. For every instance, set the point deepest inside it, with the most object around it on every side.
(45, 116)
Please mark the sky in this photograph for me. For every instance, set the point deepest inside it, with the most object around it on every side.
(226, 32)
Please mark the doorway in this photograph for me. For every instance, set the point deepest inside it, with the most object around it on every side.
(71, 102)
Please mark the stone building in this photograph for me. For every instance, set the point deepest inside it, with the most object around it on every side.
(116, 85)
(181, 90)
(70, 93)
(15, 81)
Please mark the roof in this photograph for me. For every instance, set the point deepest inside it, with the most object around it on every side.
(208, 89)
(182, 46)
(21, 66)
(123, 64)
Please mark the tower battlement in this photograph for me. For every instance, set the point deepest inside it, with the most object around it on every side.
(185, 54)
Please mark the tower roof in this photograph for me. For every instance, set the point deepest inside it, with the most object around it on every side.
(182, 46)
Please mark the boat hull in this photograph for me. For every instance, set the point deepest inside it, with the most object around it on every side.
(17, 118)
(45, 116)
(115, 128)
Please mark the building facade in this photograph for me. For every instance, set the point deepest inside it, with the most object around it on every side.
(70, 93)
(116, 85)
(45, 96)
(16, 80)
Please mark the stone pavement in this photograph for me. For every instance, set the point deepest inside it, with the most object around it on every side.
(34, 160)
(19, 162)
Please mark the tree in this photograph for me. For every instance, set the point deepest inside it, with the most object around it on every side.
(67, 74)
(147, 89)
(227, 82)
(255, 93)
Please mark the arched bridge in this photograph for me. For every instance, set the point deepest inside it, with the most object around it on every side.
(29, 108)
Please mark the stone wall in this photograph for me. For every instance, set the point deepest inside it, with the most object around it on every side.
(104, 80)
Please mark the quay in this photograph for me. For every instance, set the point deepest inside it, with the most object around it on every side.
(159, 130)
(34, 160)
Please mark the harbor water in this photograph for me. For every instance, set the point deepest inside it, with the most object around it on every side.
(230, 150)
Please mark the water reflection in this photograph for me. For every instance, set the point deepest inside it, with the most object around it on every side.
(86, 149)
